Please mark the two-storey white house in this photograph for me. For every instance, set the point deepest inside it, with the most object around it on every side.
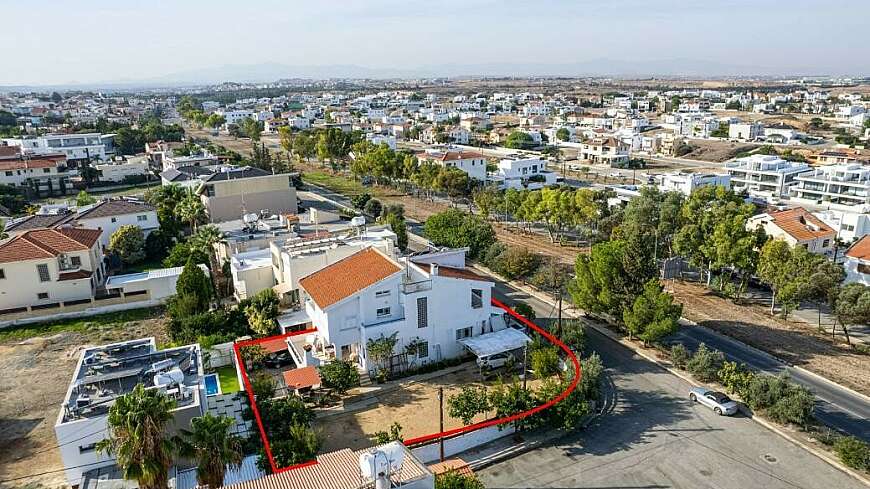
(797, 227)
(468, 161)
(110, 215)
(764, 176)
(847, 185)
(431, 302)
(41, 268)
(519, 173)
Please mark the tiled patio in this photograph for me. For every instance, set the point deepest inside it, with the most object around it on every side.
(231, 405)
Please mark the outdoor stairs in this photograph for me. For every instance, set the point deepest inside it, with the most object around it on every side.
(364, 379)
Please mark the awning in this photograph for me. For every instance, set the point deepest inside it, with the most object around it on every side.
(283, 288)
(489, 344)
(301, 378)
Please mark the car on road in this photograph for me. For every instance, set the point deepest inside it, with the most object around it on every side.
(717, 401)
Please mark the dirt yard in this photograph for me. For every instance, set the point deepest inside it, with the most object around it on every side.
(36, 374)
(795, 341)
(414, 405)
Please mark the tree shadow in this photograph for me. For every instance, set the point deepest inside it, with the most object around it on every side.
(15, 443)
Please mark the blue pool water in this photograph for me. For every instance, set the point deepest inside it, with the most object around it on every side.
(212, 388)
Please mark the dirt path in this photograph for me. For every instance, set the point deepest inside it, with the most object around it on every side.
(794, 341)
(36, 374)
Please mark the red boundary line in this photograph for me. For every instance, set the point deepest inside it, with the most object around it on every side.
(424, 438)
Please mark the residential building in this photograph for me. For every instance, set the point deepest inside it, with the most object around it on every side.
(104, 373)
(233, 192)
(125, 170)
(378, 139)
(433, 303)
(838, 157)
(459, 135)
(745, 131)
(185, 176)
(204, 160)
(470, 162)
(686, 183)
(850, 225)
(45, 268)
(857, 262)
(608, 151)
(109, 215)
(843, 184)
(76, 147)
(520, 173)
(797, 227)
(37, 175)
(764, 176)
(235, 116)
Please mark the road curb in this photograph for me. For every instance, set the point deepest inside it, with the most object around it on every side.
(825, 379)
(770, 426)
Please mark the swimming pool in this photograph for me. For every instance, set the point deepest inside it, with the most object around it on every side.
(212, 386)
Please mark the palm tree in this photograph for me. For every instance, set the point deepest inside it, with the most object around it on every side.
(191, 209)
(137, 436)
(211, 444)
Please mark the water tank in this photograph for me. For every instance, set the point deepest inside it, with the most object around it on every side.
(374, 465)
(170, 378)
(358, 221)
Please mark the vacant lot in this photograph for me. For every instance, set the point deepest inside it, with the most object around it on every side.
(794, 341)
(37, 364)
(414, 405)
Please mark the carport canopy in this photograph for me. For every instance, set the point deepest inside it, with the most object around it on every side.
(489, 344)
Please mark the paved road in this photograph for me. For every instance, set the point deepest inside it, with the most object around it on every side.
(836, 406)
(654, 437)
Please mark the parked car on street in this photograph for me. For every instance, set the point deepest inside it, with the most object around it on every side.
(717, 401)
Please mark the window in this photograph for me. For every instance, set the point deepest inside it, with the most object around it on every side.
(141, 218)
(8, 173)
(476, 298)
(2, 274)
(464, 333)
(76, 261)
(422, 312)
(42, 295)
(382, 293)
(90, 447)
(42, 268)
(423, 349)
(383, 312)
(825, 243)
(46, 170)
(864, 268)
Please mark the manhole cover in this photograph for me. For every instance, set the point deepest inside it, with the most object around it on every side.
(769, 458)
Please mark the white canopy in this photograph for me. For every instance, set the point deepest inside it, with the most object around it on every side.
(489, 344)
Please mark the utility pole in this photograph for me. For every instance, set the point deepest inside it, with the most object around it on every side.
(441, 420)
(525, 367)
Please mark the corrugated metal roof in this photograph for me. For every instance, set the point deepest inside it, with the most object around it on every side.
(248, 471)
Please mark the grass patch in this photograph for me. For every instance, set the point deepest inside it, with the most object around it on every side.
(337, 183)
(228, 379)
(144, 266)
(112, 320)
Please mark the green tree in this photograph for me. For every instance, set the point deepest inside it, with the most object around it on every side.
(299, 445)
(83, 199)
(397, 225)
(262, 312)
(562, 134)
(518, 262)
(192, 210)
(212, 445)
(524, 310)
(454, 480)
(339, 375)
(166, 199)
(457, 229)
(128, 243)
(705, 363)
(519, 140)
(544, 361)
(468, 403)
(653, 314)
(393, 434)
(251, 128)
(852, 307)
(373, 207)
(215, 120)
(194, 288)
(511, 399)
(137, 424)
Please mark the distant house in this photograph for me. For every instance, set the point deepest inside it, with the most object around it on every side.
(857, 262)
(609, 151)
(468, 161)
(38, 175)
(110, 215)
(797, 227)
(119, 171)
(185, 176)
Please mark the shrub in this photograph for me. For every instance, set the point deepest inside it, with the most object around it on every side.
(705, 363)
(591, 370)
(782, 400)
(735, 377)
(340, 375)
(491, 256)
(517, 262)
(853, 452)
(573, 334)
(263, 386)
(373, 207)
(679, 355)
(359, 201)
(545, 361)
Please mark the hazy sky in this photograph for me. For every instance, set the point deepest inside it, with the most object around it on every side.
(62, 41)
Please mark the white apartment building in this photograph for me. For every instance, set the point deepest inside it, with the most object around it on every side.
(76, 147)
(686, 183)
(764, 176)
(119, 171)
(42, 268)
(850, 225)
(520, 173)
(104, 373)
(845, 185)
(745, 131)
(470, 162)
(433, 303)
(235, 116)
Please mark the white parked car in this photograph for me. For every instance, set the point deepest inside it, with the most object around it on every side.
(717, 401)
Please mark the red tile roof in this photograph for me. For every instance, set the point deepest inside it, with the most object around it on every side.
(801, 225)
(76, 275)
(451, 464)
(40, 162)
(860, 250)
(300, 378)
(47, 243)
(348, 276)
(451, 156)
(274, 345)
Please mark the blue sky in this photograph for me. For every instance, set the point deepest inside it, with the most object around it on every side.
(62, 41)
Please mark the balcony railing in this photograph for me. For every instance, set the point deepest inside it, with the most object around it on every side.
(414, 287)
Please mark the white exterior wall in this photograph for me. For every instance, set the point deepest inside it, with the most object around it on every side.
(852, 273)
(111, 224)
(22, 284)
(115, 172)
